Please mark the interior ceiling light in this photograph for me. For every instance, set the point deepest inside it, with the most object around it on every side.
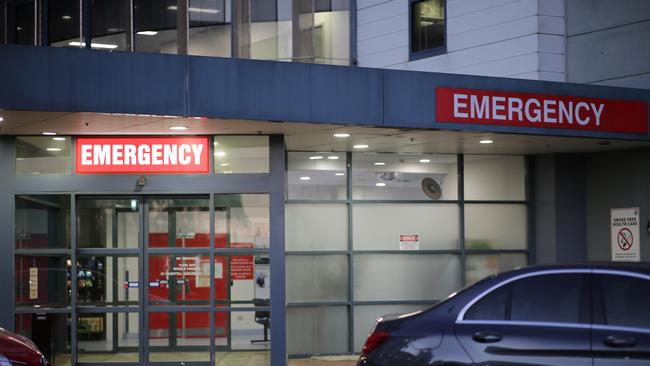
(340, 174)
(66, 17)
(53, 149)
(360, 146)
(224, 164)
(48, 133)
(333, 157)
(178, 128)
(1, 119)
(425, 161)
(315, 157)
(341, 135)
(58, 138)
(305, 178)
(486, 141)
(380, 163)
(380, 184)
(93, 45)
(220, 153)
(196, 10)
(147, 33)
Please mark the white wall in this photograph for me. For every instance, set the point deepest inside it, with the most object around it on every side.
(520, 39)
(609, 42)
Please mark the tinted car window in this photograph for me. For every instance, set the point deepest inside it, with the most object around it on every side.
(490, 307)
(547, 298)
(626, 301)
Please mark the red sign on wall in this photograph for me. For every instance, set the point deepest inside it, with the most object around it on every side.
(142, 155)
(486, 107)
(241, 266)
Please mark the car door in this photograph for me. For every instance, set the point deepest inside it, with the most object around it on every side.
(621, 330)
(540, 319)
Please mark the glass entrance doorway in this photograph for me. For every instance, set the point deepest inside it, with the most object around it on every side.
(172, 278)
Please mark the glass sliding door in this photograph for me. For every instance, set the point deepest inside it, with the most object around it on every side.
(178, 258)
(107, 275)
(170, 278)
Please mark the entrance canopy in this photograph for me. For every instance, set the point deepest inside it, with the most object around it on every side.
(71, 80)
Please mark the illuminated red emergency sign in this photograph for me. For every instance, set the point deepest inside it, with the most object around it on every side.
(487, 107)
(139, 155)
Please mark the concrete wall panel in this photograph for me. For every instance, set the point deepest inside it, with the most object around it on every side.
(610, 53)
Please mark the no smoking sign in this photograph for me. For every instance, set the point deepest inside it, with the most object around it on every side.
(625, 239)
(625, 234)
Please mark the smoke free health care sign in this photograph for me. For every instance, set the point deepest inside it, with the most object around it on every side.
(625, 234)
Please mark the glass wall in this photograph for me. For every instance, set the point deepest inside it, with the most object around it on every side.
(42, 265)
(314, 31)
(369, 234)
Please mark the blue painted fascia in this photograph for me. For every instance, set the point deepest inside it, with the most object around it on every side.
(80, 80)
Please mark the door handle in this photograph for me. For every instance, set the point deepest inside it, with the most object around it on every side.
(615, 341)
(487, 337)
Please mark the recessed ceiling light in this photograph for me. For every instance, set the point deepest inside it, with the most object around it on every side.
(147, 33)
(361, 146)
(66, 17)
(93, 45)
(379, 163)
(220, 153)
(178, 128)
(58, 138)
(425, 161)
(48, 133)
(53, 149)
(224, 164)
(305, 178)
(340, 174)
(380, 184)
(1, 119)
(333, 157)
(486, 141)
(341, 135)
(315, 157)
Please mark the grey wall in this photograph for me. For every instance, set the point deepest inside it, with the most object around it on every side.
(560, 205)
(608, 42)
(616, 179)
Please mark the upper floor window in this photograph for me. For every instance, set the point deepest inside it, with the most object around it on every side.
(427, 28)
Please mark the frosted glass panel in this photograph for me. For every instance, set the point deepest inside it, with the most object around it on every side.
(379, 226)
(495, 177)
(316, 175)
(495, 226)
(479, 266)
(317, 330)
(316, 227)
(365, 317)
(405, 276)
(317, 278)
(401, 177)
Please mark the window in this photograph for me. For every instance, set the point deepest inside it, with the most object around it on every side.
(491, 307)
(548, 298)
(626, 301)
(545, 298)
(427, 27)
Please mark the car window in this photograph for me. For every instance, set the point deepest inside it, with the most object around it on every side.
(547, 298)
(490, 307)
(626, 301)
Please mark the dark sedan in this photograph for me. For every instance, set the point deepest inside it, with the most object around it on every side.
(591, 314)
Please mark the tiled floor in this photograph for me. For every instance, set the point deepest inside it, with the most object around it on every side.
(222, 359)
(325, 361)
